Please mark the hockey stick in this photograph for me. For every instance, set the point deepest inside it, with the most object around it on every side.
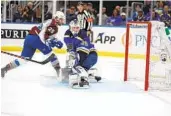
(28, 59)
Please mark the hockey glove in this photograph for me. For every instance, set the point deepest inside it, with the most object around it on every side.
(59, 44)
(71, 59)
(54, 43)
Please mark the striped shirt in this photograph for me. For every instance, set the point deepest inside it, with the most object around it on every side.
(85, 19)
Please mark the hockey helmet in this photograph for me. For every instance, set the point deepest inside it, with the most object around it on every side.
(74, 26)
(59, 17)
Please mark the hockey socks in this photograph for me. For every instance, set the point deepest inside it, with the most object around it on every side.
(10, 66)
(56, 65)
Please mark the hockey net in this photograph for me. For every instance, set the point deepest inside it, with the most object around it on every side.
(147, 61)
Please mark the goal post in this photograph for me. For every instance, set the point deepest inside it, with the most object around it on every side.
(147, 29)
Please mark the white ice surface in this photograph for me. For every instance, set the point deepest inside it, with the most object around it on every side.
(32, 90)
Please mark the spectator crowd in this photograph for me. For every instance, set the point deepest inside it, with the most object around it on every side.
(26, 14)
(160, 12)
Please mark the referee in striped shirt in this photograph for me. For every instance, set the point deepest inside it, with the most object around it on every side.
(85, 19)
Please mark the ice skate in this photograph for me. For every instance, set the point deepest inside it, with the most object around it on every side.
(3, 71)
(92, 75)
(57, 69)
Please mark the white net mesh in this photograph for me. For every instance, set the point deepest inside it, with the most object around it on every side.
(159, 66)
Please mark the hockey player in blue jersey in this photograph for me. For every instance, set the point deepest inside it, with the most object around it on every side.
(43, 39)
(81, 55)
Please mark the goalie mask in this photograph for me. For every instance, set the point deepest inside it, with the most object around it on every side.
(59, 17)
(74, 27)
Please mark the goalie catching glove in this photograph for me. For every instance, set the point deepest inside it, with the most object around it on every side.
(71, 59)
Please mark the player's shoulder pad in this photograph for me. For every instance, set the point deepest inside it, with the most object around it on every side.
(83, 33)
(53, 23)
(34, 30)
(68, 33)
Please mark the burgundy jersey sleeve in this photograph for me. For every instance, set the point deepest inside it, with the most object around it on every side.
(34, 31)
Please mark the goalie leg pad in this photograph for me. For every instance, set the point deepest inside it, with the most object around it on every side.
(65, 74)
(77, 82)
(78, 78)
(93, 75)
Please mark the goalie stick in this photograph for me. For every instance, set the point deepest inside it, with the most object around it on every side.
(28, 59)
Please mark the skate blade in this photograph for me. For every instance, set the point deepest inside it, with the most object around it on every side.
(78, 87)
(93, 80)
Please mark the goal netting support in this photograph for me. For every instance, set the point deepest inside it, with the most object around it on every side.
(148, 55)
